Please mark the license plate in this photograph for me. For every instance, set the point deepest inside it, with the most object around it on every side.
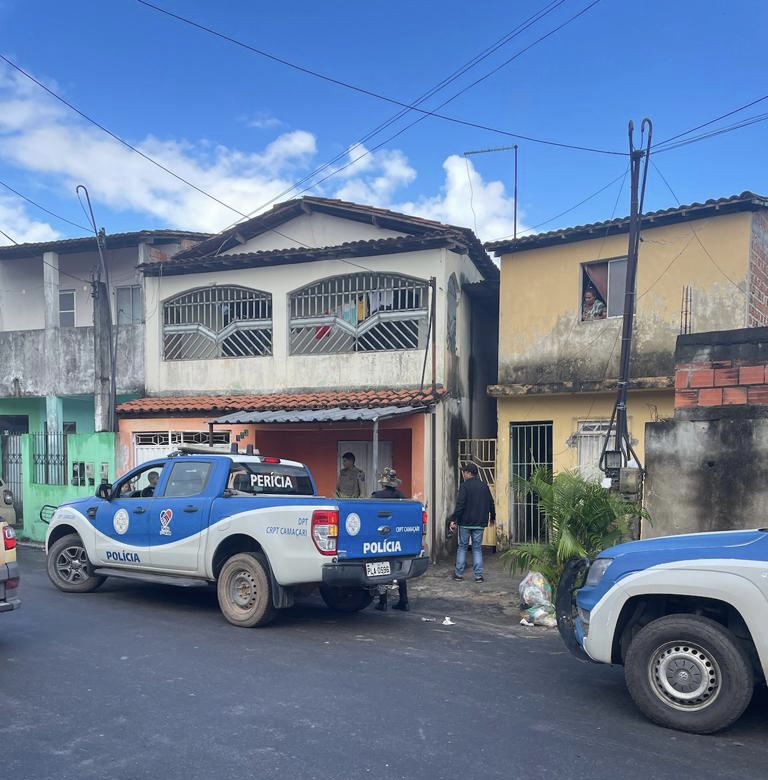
(377, 569)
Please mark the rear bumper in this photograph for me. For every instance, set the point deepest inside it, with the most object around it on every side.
(352, 573)
(8, 598)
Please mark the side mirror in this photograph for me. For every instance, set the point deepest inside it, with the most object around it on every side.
(104, 490)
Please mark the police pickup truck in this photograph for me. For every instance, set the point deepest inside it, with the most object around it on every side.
(686, 615)
(252, 525)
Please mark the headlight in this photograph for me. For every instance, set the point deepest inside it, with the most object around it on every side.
(597, 570)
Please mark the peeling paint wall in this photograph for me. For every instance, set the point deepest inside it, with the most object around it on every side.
(758, 271)
(543, 340)
(60, 362)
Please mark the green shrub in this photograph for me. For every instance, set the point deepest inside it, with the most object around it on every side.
(582, 518)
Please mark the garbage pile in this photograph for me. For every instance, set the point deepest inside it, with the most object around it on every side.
(536, 607)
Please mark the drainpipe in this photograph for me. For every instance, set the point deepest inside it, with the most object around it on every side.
(375, 465)
(433, 485)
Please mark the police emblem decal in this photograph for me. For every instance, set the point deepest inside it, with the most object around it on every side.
(121, 521)
(352, 524)
(165, 522)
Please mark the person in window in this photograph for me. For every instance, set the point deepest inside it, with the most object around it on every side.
(149, 490)
(126, 490)
(592, 307)
(389, 490)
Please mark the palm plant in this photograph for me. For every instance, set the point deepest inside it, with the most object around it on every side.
(581, 516)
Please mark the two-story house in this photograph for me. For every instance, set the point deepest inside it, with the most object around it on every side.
(49, 361)
(322, 327)
(701, 267)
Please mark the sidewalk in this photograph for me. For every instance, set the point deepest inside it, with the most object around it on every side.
(496, 599)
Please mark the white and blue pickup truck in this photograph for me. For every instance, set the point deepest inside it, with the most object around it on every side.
(252, 525)
(686, 615)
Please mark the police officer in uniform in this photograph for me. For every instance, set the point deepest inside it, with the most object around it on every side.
(389, 489)
(351, 481)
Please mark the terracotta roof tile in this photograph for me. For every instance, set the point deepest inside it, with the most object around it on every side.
(330, 399)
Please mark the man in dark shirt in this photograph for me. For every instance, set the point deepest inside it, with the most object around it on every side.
(389, 484)
(474, 510)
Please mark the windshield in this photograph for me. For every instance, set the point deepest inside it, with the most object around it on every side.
(273, 478)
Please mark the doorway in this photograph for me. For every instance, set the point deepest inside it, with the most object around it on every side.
(363, 452)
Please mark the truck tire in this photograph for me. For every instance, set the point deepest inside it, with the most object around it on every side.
(689, 673)
(69, 568)
(345, 599)
(245, 591)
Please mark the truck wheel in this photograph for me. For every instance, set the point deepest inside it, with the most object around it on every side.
(245, 592)
(688, 672)
(69, 568)
(345, 599)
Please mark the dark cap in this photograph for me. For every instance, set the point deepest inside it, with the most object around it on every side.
(470, 468)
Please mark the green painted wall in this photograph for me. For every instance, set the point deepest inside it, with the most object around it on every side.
(34, 408)
(95, 448)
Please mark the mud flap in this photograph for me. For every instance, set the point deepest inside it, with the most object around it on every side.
(565, 605)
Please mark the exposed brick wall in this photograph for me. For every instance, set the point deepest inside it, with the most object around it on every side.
(720, 383)
(758, 270)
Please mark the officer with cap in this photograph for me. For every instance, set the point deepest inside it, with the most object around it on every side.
(389, 489)
(351, 481)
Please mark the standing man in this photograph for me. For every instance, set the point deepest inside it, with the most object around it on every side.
(351, 481)
(389, 490)
(474, 510)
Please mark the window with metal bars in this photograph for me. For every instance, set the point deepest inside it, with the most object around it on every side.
(530, 446)
(159, 438)
(363, 312)
(217, 322)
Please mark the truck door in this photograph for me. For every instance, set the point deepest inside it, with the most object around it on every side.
(180, 515)
(122, 523)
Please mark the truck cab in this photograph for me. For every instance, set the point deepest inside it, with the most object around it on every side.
(253, 525)
(687, 617)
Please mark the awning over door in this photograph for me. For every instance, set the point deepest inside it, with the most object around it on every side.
(319, 415)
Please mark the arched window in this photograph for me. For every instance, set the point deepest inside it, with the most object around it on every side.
(217, 322)
(363, 312)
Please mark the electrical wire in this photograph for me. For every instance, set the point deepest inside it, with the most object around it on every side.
(696, 235)
(432, 91)
(43, 208)
(756, 119)
(12, 240)
(135, 149)
(471, 194)
(386, 98)
(710, 122)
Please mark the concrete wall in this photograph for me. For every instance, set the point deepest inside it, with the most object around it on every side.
(708, 467)
(542, 338)
(282, 371)
(758, 271)
(60, 361)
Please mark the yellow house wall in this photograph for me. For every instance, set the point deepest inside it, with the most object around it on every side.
(565, 411)
(542, 339)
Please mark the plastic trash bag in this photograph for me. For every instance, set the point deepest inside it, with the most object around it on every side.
(536, 600)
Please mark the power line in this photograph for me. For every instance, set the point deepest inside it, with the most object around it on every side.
(429, 93)
(136, 150)
(391, 100)
(696, 235)
(711, 121)
(43, 208)
(12, 240)
(757, 118)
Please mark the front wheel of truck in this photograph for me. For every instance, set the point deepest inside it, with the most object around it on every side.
(689, 673)
(245, 592)
(345, 599)
(68, 566)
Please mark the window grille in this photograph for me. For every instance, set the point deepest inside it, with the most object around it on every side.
(129, 305)
(481, 452)
(359, 313)
(589, 441)
(530, 446)
(217, 322)
(168, 438)
(49, 458)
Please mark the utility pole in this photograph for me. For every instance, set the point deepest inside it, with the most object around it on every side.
(613, 462)
(104, 352)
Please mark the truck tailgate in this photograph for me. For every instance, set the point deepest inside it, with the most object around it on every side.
(371, 528)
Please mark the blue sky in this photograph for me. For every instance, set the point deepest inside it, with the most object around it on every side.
(245, 128)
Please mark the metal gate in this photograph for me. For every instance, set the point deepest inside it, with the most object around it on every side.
(12, 469)
(530, 446)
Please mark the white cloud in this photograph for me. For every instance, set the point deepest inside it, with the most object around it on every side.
(482, 205)
(39, 135)
(263, 120)
(20, 226)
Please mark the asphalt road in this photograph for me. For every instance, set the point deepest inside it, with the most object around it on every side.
(144, 681)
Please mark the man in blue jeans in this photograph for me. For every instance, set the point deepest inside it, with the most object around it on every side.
(474, 510)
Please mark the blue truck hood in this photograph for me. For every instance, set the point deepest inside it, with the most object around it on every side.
(632, 557)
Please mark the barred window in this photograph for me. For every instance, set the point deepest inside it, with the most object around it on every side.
(363, 312)
(217, 322)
